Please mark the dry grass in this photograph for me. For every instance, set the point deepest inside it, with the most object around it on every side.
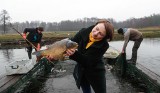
(150, 32)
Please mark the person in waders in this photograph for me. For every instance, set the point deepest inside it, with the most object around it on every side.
(34, 36)
(133, 35)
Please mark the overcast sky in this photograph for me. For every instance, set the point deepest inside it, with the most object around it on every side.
(58, 10)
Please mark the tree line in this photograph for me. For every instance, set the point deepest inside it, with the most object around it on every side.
(75, 25)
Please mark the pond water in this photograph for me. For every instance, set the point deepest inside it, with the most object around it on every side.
(11, 55)
(148, 53)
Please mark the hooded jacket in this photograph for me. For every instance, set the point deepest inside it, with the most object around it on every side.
(131, 34)
(33, 35)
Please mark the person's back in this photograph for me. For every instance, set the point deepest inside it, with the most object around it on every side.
(33, 35)
(134, 34)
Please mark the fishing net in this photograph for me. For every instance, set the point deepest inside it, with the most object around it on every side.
(32, 78)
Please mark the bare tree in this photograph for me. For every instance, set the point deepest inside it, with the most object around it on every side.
(4, 20)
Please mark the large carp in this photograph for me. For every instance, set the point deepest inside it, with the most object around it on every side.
(57, 49)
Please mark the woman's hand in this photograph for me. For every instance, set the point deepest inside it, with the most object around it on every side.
(123, 51)
(70, 52)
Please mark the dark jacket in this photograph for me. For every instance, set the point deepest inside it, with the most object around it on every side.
(88, 60)
(33, 35)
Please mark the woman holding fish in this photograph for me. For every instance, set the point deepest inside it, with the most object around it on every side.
(92, 44)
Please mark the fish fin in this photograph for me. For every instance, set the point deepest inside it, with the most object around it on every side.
(37, 53)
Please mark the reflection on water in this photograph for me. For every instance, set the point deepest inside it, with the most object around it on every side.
(11, 55)
(7, 54)
(148, 53)
(148, 48)
(153, 41)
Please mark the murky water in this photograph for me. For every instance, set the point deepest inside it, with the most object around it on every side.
(11, 55)
(148, 53)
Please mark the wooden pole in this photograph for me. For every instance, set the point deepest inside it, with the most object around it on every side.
(22, 35)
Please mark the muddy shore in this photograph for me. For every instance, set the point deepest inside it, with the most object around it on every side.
(16, 44)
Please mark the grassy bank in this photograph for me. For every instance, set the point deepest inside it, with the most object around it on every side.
(147, 33)
(46, 36)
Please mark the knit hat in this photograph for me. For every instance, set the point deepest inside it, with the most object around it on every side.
(40, 28)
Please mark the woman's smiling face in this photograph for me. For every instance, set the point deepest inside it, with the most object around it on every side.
(99, 32)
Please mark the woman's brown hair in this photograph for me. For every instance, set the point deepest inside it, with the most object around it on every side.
(109, 28)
